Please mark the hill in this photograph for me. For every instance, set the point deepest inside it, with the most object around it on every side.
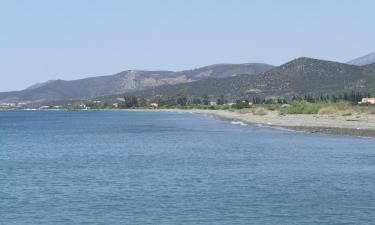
(296, 78)
(364, 60)
(126, 81)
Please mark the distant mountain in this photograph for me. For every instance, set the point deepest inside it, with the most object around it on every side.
(364, 60)
(38, 85)
(226, 70)
(126, 81)
(298, 77)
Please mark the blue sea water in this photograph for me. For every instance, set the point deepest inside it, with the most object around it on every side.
(102, 167)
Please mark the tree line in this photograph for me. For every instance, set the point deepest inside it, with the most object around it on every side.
(183, 99)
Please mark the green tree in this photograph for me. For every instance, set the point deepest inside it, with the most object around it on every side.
(130, 101)
(197, 101)
(166, 101)
(142, 102)
(182, 99)
(221, 100)
(205, 99)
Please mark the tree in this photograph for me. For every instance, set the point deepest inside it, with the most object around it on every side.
(257, 100)
(142, 102)
(241, 104)
(205, 99)
(221, 100)
(197, 101)
(181, 99)
(130, 101)
(166, 101)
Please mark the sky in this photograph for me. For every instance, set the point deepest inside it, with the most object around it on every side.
(42, 40)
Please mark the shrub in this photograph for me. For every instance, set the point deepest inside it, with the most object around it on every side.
(341, 105)
(282, 111)
(303, 107)
(225, 107)
(322, 108)
(245, 110)
(347, 113)
(272, 107)
(329, 110)
(260, 111)
(241, 105)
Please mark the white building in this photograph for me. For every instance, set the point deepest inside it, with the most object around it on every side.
(368, 101)
(154, 105)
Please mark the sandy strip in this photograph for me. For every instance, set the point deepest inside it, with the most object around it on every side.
(351, 125)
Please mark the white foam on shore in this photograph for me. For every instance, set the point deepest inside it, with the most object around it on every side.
(280, 128)
(238, 123)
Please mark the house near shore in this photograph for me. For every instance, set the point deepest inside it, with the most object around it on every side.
(7, 105)
(154, 105)
(368, 101)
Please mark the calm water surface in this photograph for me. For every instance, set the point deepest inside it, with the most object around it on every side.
(169, 168)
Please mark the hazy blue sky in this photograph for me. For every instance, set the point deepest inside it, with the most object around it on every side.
(71, 39)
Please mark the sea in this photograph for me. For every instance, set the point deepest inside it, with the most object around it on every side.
(127, 167)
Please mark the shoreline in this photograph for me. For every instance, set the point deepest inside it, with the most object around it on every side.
(360, 126)
(338, 125)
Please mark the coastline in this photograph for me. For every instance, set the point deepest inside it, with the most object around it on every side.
(360, 126)
(363, 126)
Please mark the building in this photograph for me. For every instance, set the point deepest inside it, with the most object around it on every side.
(368, 101)
(7, 105)
(45, 107)
(154, 105)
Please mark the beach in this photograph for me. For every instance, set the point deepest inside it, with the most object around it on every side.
(341, 125)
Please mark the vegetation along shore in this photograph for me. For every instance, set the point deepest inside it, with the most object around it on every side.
(345, 114)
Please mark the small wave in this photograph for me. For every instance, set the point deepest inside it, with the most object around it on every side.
(265, 125)
(280, 128)
(238, 123)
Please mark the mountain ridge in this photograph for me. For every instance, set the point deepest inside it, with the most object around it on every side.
(363, 60)
(295, 78)
(125, 81)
